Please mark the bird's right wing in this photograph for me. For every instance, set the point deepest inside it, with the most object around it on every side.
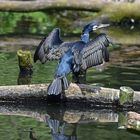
(47, 44)
(95, 52)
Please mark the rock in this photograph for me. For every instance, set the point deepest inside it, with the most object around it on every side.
(133, 121)
(126, 96)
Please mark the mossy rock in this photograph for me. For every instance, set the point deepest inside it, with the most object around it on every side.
(126, 95)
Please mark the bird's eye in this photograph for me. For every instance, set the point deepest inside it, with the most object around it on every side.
(95, 27)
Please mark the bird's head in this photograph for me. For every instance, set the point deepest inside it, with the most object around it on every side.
(93, 26)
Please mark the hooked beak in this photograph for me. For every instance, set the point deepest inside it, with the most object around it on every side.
(103, 25)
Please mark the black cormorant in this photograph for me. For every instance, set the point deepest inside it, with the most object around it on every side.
(81, 56)
(74, 56)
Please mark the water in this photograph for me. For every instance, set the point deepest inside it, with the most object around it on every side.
(47, 122)
(25, 122)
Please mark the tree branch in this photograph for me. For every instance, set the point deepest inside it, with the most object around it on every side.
(92, 5)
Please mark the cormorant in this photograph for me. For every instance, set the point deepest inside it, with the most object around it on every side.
(81, 56)
(75, 55)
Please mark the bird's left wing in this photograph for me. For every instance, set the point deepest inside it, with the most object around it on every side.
(95, 52)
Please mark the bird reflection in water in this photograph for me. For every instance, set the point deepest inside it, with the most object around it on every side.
(58, 129)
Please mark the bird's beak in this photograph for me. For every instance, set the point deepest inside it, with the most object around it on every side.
(103, 25)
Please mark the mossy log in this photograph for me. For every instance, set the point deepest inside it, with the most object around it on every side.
(47, 5)
(82, 94)
(128, 8)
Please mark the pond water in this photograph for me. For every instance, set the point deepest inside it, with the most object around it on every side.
(46, 122)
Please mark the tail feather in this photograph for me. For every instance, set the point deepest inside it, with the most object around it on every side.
(57, 86)
(65, 82)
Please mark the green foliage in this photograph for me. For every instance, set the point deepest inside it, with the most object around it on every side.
(42, 22)
(34, 22)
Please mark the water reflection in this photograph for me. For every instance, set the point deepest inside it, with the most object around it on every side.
(62, 123)
(58, 130)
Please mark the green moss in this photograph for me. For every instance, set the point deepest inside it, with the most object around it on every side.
(25, 58)
(126, 95)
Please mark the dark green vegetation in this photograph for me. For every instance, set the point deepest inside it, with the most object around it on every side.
(40, 22)
(44, 22)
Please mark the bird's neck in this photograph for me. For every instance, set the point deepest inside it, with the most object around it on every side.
(85, 37)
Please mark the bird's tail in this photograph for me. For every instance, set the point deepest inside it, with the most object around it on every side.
(57, 86)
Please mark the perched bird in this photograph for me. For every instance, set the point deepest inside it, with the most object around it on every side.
(81, 56)
(74, 56)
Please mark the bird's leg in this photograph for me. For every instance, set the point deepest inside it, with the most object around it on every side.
(79, 77)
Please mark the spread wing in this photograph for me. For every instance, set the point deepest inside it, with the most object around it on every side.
(56, 53)
(95, 52)
(47, 43)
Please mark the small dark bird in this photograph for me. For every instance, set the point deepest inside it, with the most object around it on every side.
(74, 56)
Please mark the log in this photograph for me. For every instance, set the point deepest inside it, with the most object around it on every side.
(26, 6)
(84, 95)
(90, 5)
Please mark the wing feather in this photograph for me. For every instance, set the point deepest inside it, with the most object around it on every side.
(40, 53)
(47, 43)
(95, 52)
